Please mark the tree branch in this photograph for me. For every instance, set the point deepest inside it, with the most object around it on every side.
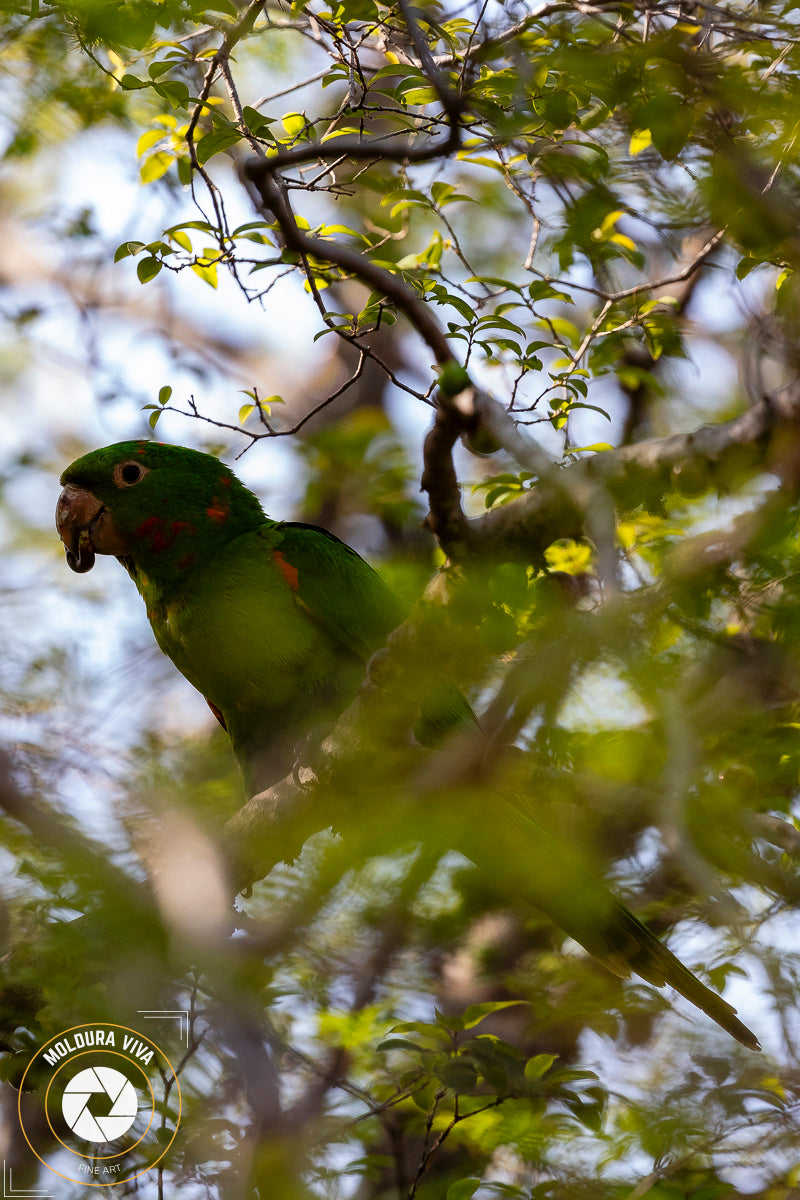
(272, 197)
(560, 504)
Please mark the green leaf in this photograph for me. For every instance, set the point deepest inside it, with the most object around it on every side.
(419, 96)
(257, 122)
(126, 249)
(164, 394)
(201, 225)
(463, 1189)
(496, 322)
(157, 69)
(539, 289)
(494, 281)
(440, 191)
(746, 265)
(453, 379)
(245, 411)
(400, 1044)
(431, 1029)
(148, 268)
(477, 1012)
(538, 1066)
(216, 142)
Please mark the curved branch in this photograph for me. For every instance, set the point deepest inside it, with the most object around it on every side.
(382, 146)
(379, 279)
(446, 518)
(261, 172)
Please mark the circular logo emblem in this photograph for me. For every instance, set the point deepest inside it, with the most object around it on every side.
(83, 1088)
(108, 1095)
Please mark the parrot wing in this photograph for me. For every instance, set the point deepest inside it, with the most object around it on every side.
(341, 592)
(336, 587)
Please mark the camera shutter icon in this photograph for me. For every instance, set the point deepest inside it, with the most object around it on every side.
(99, 1081)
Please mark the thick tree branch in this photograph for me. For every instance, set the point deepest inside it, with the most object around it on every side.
(446, 519)
(560, 504)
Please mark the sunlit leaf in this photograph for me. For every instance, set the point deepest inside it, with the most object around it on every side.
(155, 166)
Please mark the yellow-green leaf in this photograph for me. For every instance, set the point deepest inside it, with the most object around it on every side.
(626, 534)
(640, 140)
(155, 166)
(609, 221)
(571, 557)
(148, 140)
(181, 238)
(463, 1189)
(206, 271)
(563, 329)
(294, 123)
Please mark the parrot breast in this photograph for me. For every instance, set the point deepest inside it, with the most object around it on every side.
(240, 635)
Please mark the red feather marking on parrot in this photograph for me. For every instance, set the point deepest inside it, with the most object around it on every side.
(289, 573)
(216, 713)
(154, 530)
(218, 510)
(149, 528)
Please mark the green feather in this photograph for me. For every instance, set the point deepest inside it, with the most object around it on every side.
(338, 588)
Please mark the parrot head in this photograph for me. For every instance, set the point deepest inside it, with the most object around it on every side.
(156, 507)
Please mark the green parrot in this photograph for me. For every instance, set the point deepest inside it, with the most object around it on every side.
(273, 622)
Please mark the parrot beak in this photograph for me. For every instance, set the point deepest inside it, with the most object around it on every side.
(86, 527)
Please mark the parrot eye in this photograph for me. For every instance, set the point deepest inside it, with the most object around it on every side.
(128, 473)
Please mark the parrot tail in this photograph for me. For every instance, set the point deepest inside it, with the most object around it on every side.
(547, 875)
(648, 957)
